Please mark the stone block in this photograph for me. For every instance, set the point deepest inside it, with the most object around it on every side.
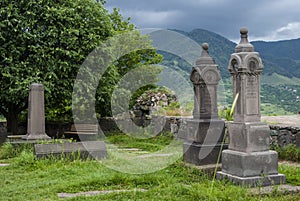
(89, 149)
(199, 154)
(201, 130)
(249, 137)
(249, 164)
(255, 181)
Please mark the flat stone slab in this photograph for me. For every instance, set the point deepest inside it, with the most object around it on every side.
(155, 155)
(82, 150)
(269, 189)
(255, 181)
(288, 120)
(93, 193)
(289, 163)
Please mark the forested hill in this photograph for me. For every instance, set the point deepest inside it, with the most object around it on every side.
(281, 57)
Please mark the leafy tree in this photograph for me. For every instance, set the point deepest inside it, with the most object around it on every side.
(46, 41)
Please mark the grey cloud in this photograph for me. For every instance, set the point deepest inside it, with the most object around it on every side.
(262, 17)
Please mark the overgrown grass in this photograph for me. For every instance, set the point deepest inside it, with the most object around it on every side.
(289, 152)
(29, 179)
(151, 144)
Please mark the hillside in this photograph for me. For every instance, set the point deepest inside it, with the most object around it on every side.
(281, 75)
(280, 57)
(220, 49)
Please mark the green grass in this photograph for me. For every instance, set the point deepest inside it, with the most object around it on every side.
(289, 152)
(29, 179)
(268, 109)
(151, 144)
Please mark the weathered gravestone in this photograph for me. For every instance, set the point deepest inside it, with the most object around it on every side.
(83, 150)
(36, 114)
(204, 133)
(248, 161)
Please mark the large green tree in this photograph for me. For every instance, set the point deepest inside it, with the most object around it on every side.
(46, 41)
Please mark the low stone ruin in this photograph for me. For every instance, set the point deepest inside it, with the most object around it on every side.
(151, 101)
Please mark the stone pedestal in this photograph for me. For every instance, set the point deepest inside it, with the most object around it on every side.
(251, 169)
(36, 114)
(248, 161)
(203, 139)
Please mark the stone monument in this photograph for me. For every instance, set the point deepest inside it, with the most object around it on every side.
(248, 161)
(204, 133)
(36, 114)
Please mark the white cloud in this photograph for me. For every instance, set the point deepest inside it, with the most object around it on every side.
(289, 31)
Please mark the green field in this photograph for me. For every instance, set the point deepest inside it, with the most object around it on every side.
(29, 179)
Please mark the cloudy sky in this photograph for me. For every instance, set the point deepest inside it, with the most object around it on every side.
(266, 19)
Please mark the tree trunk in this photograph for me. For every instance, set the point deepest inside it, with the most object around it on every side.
(12, 120)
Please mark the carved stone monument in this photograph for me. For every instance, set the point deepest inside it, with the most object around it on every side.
(204, 133)
(248, 161)
(36, 114)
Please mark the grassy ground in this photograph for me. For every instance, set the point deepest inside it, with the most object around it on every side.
(29, 179)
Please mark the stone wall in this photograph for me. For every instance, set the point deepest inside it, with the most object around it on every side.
(285, 135)
(281, 135)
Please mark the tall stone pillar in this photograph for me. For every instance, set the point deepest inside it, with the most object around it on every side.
(204, 133)
(36, 114)
(248, 161)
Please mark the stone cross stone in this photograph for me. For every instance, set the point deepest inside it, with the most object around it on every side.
(204, 133)
(248, 156)
(36, 114)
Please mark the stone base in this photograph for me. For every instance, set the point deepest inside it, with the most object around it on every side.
(199, 154)
(36, 137)
(255, 181)
(209, 131)
(250, 164)
(249, 137)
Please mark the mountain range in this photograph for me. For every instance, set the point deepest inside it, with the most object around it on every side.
(279, 57)
(281, 75)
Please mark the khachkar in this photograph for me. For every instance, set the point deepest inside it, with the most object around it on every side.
(248, 161)
(36, 114)
(204, 133)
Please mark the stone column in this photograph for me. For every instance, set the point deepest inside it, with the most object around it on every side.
(36, 113)
(204, 133)
(248, 161)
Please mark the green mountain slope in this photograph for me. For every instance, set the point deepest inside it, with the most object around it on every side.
(220, 48)
(281, 57)
(281, 76)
